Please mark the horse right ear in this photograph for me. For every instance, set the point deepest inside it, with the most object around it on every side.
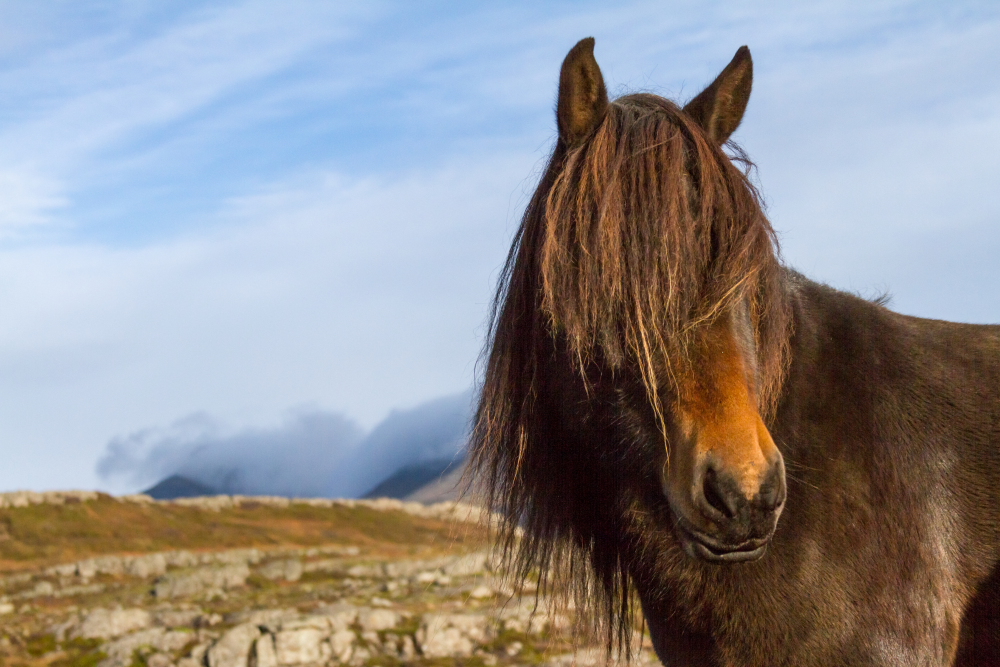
(719, 108)
(583, 99)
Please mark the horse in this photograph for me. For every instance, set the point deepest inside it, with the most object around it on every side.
(679, 428)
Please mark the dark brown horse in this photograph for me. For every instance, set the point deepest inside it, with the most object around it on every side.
(777, 472)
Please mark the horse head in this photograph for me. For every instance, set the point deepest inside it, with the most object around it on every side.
(638, 342)
(669, 222)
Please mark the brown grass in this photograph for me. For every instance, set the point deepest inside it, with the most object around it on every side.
(40, 535)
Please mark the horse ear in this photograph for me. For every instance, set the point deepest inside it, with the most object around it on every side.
(719, 108)
(583, 99)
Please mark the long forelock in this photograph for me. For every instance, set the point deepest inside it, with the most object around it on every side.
(632, 241)
(651, 232)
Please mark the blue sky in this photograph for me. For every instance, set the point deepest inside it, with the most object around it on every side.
(247, 209)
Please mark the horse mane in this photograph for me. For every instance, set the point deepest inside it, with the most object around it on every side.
(634, 240)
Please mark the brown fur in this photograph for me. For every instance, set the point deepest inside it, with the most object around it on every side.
(617, 331)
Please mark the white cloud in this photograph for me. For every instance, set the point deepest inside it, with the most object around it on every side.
(359, 287)
(30, 200)
(352, 295)
(310, 453)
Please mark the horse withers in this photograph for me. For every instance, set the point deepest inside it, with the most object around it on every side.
(777, 472)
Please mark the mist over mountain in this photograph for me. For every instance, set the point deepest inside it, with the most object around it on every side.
(312, 453)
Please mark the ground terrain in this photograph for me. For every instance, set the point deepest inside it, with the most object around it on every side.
(88, 580)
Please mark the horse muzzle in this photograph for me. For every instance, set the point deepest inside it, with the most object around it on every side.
(720, 518)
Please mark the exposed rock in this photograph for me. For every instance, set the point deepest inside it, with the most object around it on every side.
(233, 648)
(26, 498)
(342, 644)
(150, 565)
(526, 616)
(407, 649)
(176, 618)
(374, 620)
(360, 656)
(325, 565)
(43, 589)
(288, 569)
(366, 571)
(445, 635)
(111, 623)
(301, 646)
(121, 650)
(445, 511)
(201, 581)
(270, 619)
(263, 652)
(463, 566)
(237, 556)
(340, 616)
(481, 593)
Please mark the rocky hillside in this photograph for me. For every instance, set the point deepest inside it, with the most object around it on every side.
(87, 580)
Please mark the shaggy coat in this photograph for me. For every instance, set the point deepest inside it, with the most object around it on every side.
(776, 472)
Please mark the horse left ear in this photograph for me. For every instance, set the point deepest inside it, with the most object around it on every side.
(583, 99)
(719, 108)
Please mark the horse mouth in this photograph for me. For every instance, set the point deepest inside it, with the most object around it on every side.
(703, 547)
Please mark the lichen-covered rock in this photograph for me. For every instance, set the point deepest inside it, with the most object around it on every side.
(526, 616)
(366, 571)
(452, 635)
(342, 644)
(270, 619)
(121, 650)
(263, 652)
(198, 582)
(481, 593)
(375, 620)
(289, 569)
(111, 623)
(340, 616)
(360, 656)
(301, 646)
(150, 565)
(176, 618)
(159, 660)
(233, 648)
(469, 564)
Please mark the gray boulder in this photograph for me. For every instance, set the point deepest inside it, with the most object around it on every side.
(233, 648)
(111, 623)
(201, 581)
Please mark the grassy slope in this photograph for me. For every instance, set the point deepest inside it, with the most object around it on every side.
(48, 534)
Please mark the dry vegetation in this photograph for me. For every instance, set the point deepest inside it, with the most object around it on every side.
(45, 534)
(133, 584)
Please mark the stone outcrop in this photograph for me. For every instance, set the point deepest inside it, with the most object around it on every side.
(201, 582)
(121, 651)
(111, 623)
(322, 606)
(444, 635)
(445, 511)
(288, 569)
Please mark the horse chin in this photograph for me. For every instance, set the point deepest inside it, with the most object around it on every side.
(703, 547)
(712, 554)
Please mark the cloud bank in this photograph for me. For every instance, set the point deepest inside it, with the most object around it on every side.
(235, 207)
(313, 453)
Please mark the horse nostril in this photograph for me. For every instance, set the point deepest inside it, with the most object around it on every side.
(772, 493)
(716, 496)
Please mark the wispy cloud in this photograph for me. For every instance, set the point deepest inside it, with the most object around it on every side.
(323, 290)
(312, 453)
(236, 208)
